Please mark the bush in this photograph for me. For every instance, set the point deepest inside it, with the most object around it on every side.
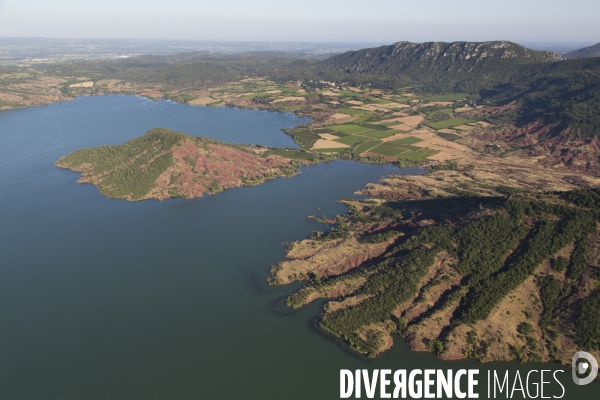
(559, 264)
(525, 328)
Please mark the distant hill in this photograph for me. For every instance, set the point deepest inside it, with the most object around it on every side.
(412, 58)
(189, 70)
(586, 52)
(438, 66)
(163, 164)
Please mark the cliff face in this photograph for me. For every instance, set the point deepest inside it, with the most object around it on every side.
(163, 164)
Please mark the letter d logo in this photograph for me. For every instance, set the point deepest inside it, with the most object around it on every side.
(581, 367)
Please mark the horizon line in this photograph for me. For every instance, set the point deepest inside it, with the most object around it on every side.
(286, 41)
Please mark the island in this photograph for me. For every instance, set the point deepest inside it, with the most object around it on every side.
(163, 164)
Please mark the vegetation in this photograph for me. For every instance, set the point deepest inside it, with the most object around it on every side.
(381, 237)
(292, 154)
(564, 95)
(590, 51)
(496, 251)
(496, 244)
(579, 258)
(191, 70)
(132, 170)
(551, 291)
(588, 323)
(409, 64)
(449, 123)
(408, 140)
(547, 239)
(561, 95)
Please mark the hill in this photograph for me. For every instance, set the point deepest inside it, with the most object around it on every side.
(436, 66)
(566, 95)
(586, 52)
(459, 266)
(180, 71)
(163, 164)
(553, 110)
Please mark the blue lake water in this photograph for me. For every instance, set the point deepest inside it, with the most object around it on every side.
(107, 299)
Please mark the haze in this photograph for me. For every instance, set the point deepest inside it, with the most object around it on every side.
(309, 20)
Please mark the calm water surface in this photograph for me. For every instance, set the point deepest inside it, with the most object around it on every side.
(107, 299)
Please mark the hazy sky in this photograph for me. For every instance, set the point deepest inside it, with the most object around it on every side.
(306, 20)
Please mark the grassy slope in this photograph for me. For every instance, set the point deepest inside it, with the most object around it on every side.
(565, 94)
(538, 227)
(192, 165)
(130, 169)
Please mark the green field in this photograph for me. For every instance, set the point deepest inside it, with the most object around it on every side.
(377, 100)
(375, 127)
(428, 152)
(449, 123)
(387, 149)
(303, 138)
(367, 146)
(340, 134)
(350, 140)
(413, 155)
(350, 128)
(362, 119)
(353, 111)
(408, 147)
(403, 151)
(448, 136)
(323, 130)
(401, 100)
(379, 135)
(408, 140)
(447, 97)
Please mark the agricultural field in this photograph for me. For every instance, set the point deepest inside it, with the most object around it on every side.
(449, 123)
(447, 97)
(370, 140)
(361, 123)
(358, 123)
(408, 140)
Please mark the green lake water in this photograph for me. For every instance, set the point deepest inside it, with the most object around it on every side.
(108, 299)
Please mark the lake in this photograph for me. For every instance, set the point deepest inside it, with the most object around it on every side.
(108, 299)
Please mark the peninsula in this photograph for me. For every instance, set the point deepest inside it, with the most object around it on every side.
(461, 262)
